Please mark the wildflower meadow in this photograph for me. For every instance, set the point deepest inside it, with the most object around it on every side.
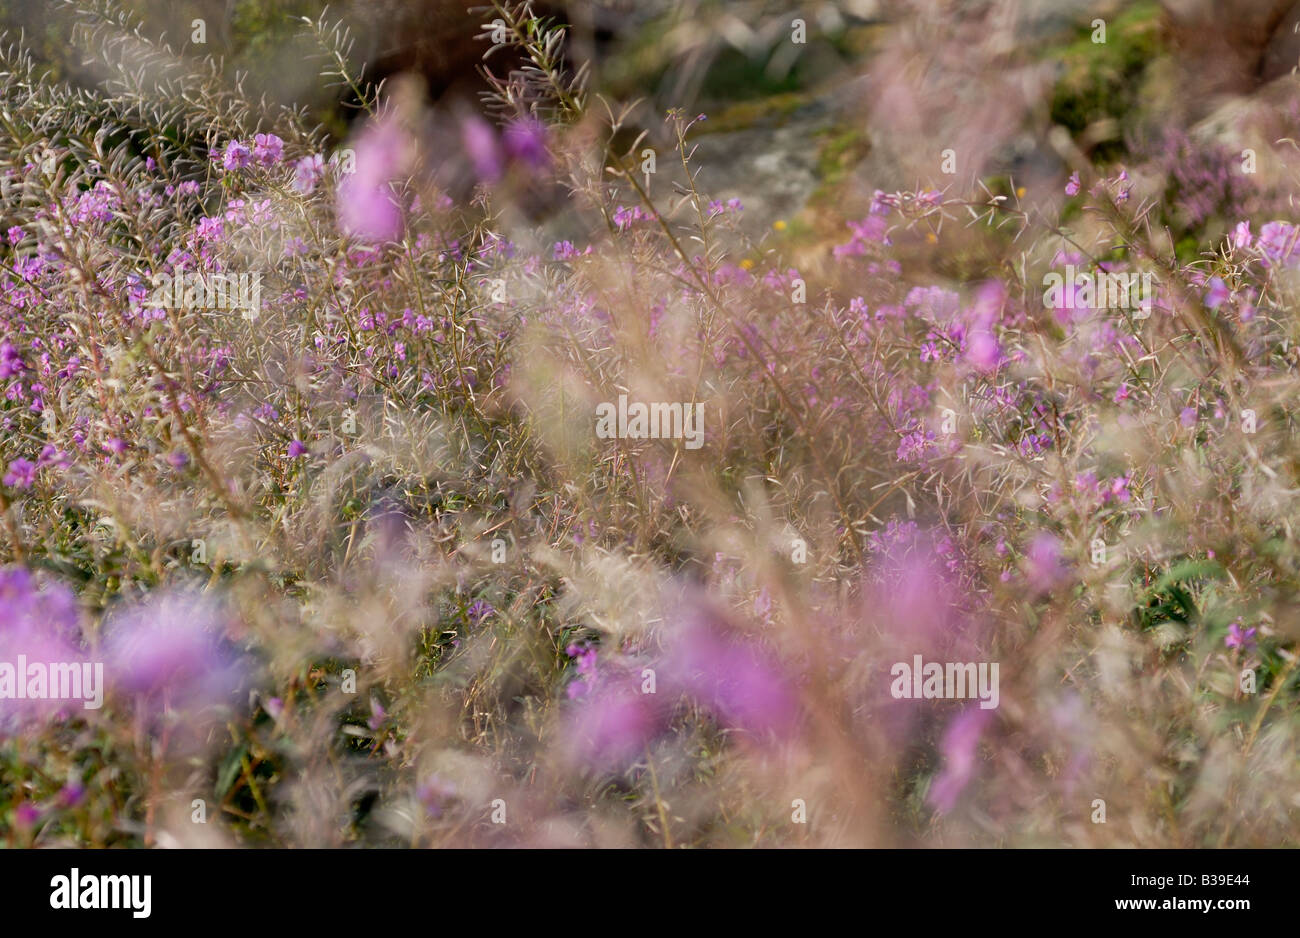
(696, 425)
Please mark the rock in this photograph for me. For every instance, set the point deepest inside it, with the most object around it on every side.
(1282, 54)
(1224, 43)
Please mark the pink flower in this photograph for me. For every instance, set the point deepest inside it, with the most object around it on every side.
(237, 156)
(729, 675)
(1044, 565)
(21, 474)
(982, 350)
(1073, 184)
(1278, 242)
(1218, 293)
(268, 149)
(168, 653)
(43, 625)
(960, 748)
(525, 142)
(482, 149)
(1119, 489)
(611, 726)
(307, 172)
(1236, 638)
(367, 205)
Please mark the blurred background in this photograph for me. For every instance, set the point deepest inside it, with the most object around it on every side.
(789, 122)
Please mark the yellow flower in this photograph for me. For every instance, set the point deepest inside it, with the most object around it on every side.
(1020, 192)
(747, 264)
(932, 237)
(779, 224)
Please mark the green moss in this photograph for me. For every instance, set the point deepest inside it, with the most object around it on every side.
(839, 150)
(1101, 80)
(842, 149)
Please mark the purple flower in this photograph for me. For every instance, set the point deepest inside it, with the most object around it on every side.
(236, 156)
(882, 203)
(1218, 293)
(1072, 186)
(21, 474)
(1236, 638)
(210, 229)
(11, 363)
(482, 148)
(982, 349)
(960, 748)
(167, 652)
(625, 216)
(611, 726)
(51, 456)
(268, 149)
(42, 625)
(1044, 565)
(297, 448)
(434, 793)
(307, 172)
(731, 676)
(367, 205)
(70, 795)
(377, 714)
(478, 611)
(525, 142)
(1278, 242)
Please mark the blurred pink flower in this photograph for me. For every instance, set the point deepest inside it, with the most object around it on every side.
(43, 626)
(307, 172)
(1278, 241)
(983, 350)
(525, 142)
(959, 747)
(1218, 293)
(482, 148)
(167, 651)
(611, 725)
(1044, 564)
(367, 204)
(729, 675)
